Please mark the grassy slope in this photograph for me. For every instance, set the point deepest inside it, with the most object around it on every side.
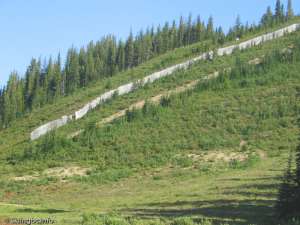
(18, 133)
(240, 196)
(216, 119)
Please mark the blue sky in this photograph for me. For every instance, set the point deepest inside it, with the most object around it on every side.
(41, 28)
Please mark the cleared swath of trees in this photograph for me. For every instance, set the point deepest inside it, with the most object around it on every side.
(46, 82)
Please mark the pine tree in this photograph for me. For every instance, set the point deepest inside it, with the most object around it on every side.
(165, 38)
(129, 52)
(82, 60)
(120, 60)
(72, 71)
(220, 36)
(199, 29)
(90, 71)
(238, 27)
(13, 102)
(57, 77)
(267, 18)
(180, 33)
(49, 81)
(279, 12)
(173, 37)
(148, 45)
(290, 11)
(32, 83)
(188, 32)
(210, 28)
(111, 56)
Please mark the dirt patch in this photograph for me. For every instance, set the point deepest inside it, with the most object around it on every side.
(62, 172)
(26, 178)
(58, 172)
(255, 61)
(219, 157)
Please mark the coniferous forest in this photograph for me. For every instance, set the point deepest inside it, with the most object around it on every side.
(47, 80)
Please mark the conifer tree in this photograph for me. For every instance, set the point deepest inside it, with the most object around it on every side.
(180, 33)
(32, 83)
(129, 52)
(111, 56)
(173, 36)
(120, 61)
(57, 77)
(82, 61)
(165, 38)
(50, 82)
(267, 18)
(13, 102)
(279, 12)
(72, 71)
(290, 11)
(90, 71)
(199, 29)
(220, 36)
(210, 28)
(188, 32)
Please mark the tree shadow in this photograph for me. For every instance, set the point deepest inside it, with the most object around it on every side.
(47, 211)
(240, 206)
(220, 211)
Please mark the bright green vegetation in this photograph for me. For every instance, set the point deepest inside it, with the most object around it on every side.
(19, 129)
(213, 155)
(107, 57)
(149, 164)
(17, 135)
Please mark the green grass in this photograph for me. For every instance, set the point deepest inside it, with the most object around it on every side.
(142, 171)
(18, 133)
(229, 195)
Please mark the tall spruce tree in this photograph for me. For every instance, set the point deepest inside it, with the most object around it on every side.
(290, 11)
(180, 32)
(57, 77)
(267, 18)
(13, 102)
(129, 52)
(72, 71)
(279, 12)
(82, 61)
(210, 28)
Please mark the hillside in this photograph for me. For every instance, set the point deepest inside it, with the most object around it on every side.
(185, 125)
(201, 153)
(19, 131)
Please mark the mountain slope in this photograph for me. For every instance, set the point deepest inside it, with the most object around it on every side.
(214, 152)
(18, 133)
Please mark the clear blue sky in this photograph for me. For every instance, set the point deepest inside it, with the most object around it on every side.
(40, 28)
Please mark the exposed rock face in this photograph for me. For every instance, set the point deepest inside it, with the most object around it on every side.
(127, 88)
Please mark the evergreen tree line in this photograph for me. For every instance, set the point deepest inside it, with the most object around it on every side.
(46, 82)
